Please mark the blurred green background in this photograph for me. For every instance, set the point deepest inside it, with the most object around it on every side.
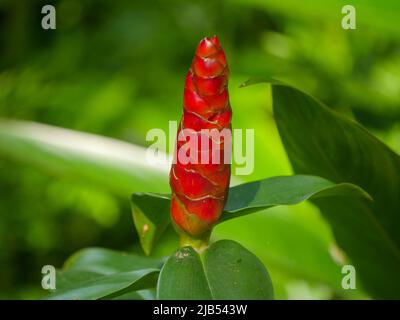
(116, 69)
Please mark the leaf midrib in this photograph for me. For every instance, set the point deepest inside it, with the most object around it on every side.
(202, 258)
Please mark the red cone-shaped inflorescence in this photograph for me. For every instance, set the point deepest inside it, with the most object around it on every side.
(200, 185)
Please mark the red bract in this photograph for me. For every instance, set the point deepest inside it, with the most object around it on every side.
(199, 188)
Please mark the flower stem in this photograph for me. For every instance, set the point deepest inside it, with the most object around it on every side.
(199, 244)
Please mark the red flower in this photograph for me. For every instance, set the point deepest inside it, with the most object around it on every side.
(200, 182)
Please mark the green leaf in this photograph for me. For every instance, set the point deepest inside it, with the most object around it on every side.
(69, 278)
(242, 200)
(151, 218)
(226, 270)
(75, 154)
(108, 286)
(96, 273)
(285, 190)
(288, 241)
(148, 294)
(106, 261)
(322, 142)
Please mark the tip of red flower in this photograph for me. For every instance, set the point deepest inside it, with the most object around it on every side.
(208, 46)
(215, 41)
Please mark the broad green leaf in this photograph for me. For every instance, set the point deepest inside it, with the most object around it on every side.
(322, 142)
(226, 270)
(148, 294)
(108, 286)
(294, 242)
(151, 218)
(95, 273)
(69, 278)
(183, 277)
(285, 190)
(242, 200)
(106, 261)
(294, 251)
(115, 165)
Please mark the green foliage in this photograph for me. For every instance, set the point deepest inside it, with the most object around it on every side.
(151, 217)
(225, 270)
(151, 211)
(340, 150)
(105, 261)
(57, 200)
(97, 273)
(91, 157)
(106, 287)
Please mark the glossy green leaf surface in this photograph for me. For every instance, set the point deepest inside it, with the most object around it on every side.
(226, 270)
(108, 286)
(151, 218)
(243, 199)
(285, 190)
(338, 149)
(106, 261)
(96, 273)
